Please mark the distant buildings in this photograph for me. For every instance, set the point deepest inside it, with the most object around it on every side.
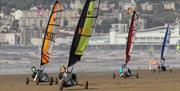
(125, 4)
(30, 19)
(146, 6)
(169, 6)
(9, 39)
(32, 24)
(152, 36)
(76, 4)
(6, 23)
(105, 5)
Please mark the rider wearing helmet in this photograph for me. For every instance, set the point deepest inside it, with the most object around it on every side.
(62, 70)
(124, 70)
(34, 70)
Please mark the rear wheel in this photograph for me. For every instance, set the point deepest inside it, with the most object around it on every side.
(170, 70)
(33, 75)
(77, 80)
(114, 75)
(163, 68)
(50, 81)
(137, 75)
(27, 81)
(154, 70)
(86, 85)
(37, 81)
(61, 84)
(56, 82)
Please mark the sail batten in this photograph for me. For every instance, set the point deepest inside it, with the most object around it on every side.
(53, 25)
(57, 11)
(83, 31)
(51, 29)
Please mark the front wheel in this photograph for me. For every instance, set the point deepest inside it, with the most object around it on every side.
(50, 81)
(56, 82)
(137, 75)
(61, 84)
(77, 81)
(114, 75)
(27, 81)
(170, 70)
(86, 85)
(37, 81)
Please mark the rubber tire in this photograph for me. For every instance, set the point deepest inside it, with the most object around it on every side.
(33, 75)
(37, 81)
(86, 85)
(77, 81)
(170, 70)
(50, 81)
(163, 68)
(114, 76)
(154, 71)
(27, 81)
(61, 85)
(137, 75)
(56, 81)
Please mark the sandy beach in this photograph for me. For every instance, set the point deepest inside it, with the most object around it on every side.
(148, 81)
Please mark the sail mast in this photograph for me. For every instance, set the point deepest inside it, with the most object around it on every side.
(83, 30)
(49, 37)
(131, 36)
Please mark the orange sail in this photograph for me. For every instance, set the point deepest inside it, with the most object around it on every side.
(52, 27)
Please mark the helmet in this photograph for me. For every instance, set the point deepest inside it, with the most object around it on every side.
(62, 67)
(33, 68)
(123, 65)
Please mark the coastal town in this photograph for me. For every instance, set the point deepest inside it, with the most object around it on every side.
(26, 27)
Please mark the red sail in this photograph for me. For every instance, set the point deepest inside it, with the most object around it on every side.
(130, 37)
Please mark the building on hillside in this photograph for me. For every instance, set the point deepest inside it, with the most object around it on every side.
(9, 39)
(146, 6)
(152, 36)
(169, 6)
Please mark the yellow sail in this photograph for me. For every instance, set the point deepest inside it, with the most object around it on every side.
(83, 30)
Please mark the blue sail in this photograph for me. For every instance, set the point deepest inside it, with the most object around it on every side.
(165, 44)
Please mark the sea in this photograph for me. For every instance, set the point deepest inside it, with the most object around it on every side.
(19, 60)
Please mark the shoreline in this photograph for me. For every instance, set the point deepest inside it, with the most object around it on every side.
(83, 72)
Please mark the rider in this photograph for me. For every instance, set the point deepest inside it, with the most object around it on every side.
(63, 72)
(124, 69)
(34, 70)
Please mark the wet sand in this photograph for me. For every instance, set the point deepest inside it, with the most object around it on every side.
(148, 81)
